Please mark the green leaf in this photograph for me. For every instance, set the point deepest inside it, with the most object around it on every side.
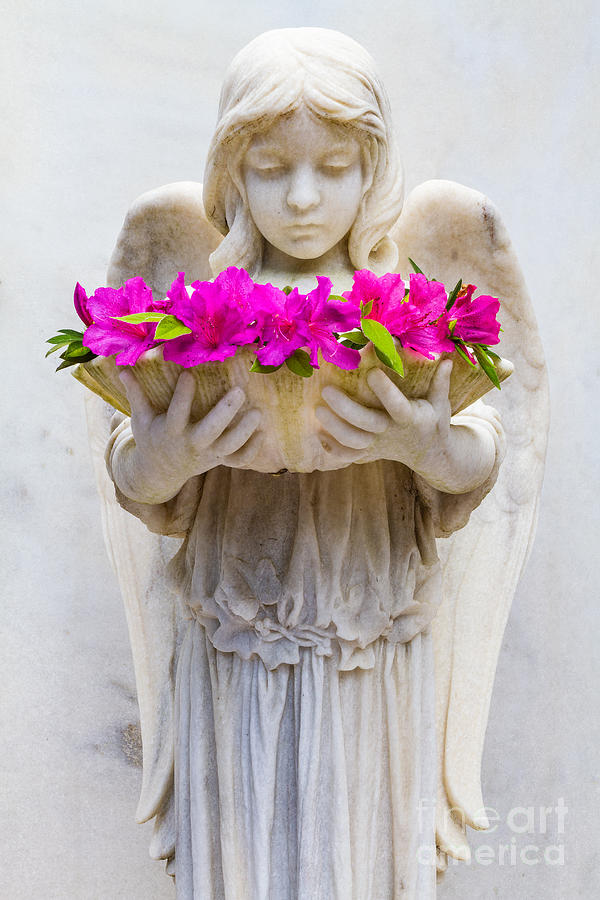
(365, 308)
(454, 293)
(61, 339)
(67, 363)
(384, 344)
(72, 335)
(264, 370)
(287, 289)
(355, 337)
(169, 327)
(338, 297)
(491, 353)
(461, 352)
(136, 318)
(487, 365)
(75, 351)
(299, 363)
(395, 364)
(53, 350)
(415, 267)
(380, 336)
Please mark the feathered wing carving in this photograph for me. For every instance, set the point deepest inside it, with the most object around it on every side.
(165, 231)
(452, 232)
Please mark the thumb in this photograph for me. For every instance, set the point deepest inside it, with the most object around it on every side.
(440, 385)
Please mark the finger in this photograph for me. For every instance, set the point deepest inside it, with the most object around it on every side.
(343, 432)
(180, 407)
(142, 411)
(398, 406)
(246, 454)
(361, 416)
(216, 421)
(343, 456)
(236, 436)
(440, 385)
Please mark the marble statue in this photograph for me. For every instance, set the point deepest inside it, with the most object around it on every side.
(312, 713)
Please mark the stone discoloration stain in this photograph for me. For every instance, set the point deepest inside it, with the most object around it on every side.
(489, 220)
(131, 743)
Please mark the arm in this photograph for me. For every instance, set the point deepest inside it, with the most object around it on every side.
(173, 517)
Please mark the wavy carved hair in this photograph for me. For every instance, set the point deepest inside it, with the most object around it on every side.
(335, 78)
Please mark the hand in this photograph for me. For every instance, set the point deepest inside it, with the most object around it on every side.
(349, 429)
(454, 458)
(414, 432)
(169, 449)
(419, 432)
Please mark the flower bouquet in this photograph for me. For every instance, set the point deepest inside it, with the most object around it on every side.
(282, 347)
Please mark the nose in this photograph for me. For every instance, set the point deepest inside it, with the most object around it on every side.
(303, 193)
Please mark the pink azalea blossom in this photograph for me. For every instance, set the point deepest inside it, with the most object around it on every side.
(474, 319)
(239, 287)
(326, 317)
(289, 322)
(386, 293)
(412, 319)
(217, 326)
(420, 325)
(107, 335)
(282, 323)
(428, 296)
(80, 300)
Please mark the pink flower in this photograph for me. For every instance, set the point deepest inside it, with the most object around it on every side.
(474, 319)
(326, 317)
(386, 293)
(239, 287)
(412, 319)
(419, 323)
(217, 326)
(282, 323)
(428, 296)
(289, 322)
(81, 305)
(107, 335)
(429, 339)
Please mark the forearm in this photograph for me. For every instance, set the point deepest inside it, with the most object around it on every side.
(172, 516)
(451, 511)
(143, 481)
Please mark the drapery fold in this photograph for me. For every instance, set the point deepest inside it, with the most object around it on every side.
(305, 782)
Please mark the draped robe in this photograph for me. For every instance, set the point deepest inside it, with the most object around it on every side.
(305, 733)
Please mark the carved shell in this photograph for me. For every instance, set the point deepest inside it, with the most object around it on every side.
(288, 401)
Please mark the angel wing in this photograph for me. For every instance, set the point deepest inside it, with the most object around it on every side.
(453, 232)
(165, 231)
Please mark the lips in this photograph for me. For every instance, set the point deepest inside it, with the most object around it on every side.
(309, 228)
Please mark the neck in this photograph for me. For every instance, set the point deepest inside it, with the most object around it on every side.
(281, 269)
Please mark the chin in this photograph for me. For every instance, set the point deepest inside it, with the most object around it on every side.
(304, 249)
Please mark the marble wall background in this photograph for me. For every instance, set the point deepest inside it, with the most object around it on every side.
(105, 100)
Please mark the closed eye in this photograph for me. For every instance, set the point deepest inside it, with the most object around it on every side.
(270, 170)
(335, 168)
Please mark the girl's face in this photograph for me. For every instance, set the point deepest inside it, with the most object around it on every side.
(305, 179)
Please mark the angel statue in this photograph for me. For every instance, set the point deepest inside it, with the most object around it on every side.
(312, 713)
